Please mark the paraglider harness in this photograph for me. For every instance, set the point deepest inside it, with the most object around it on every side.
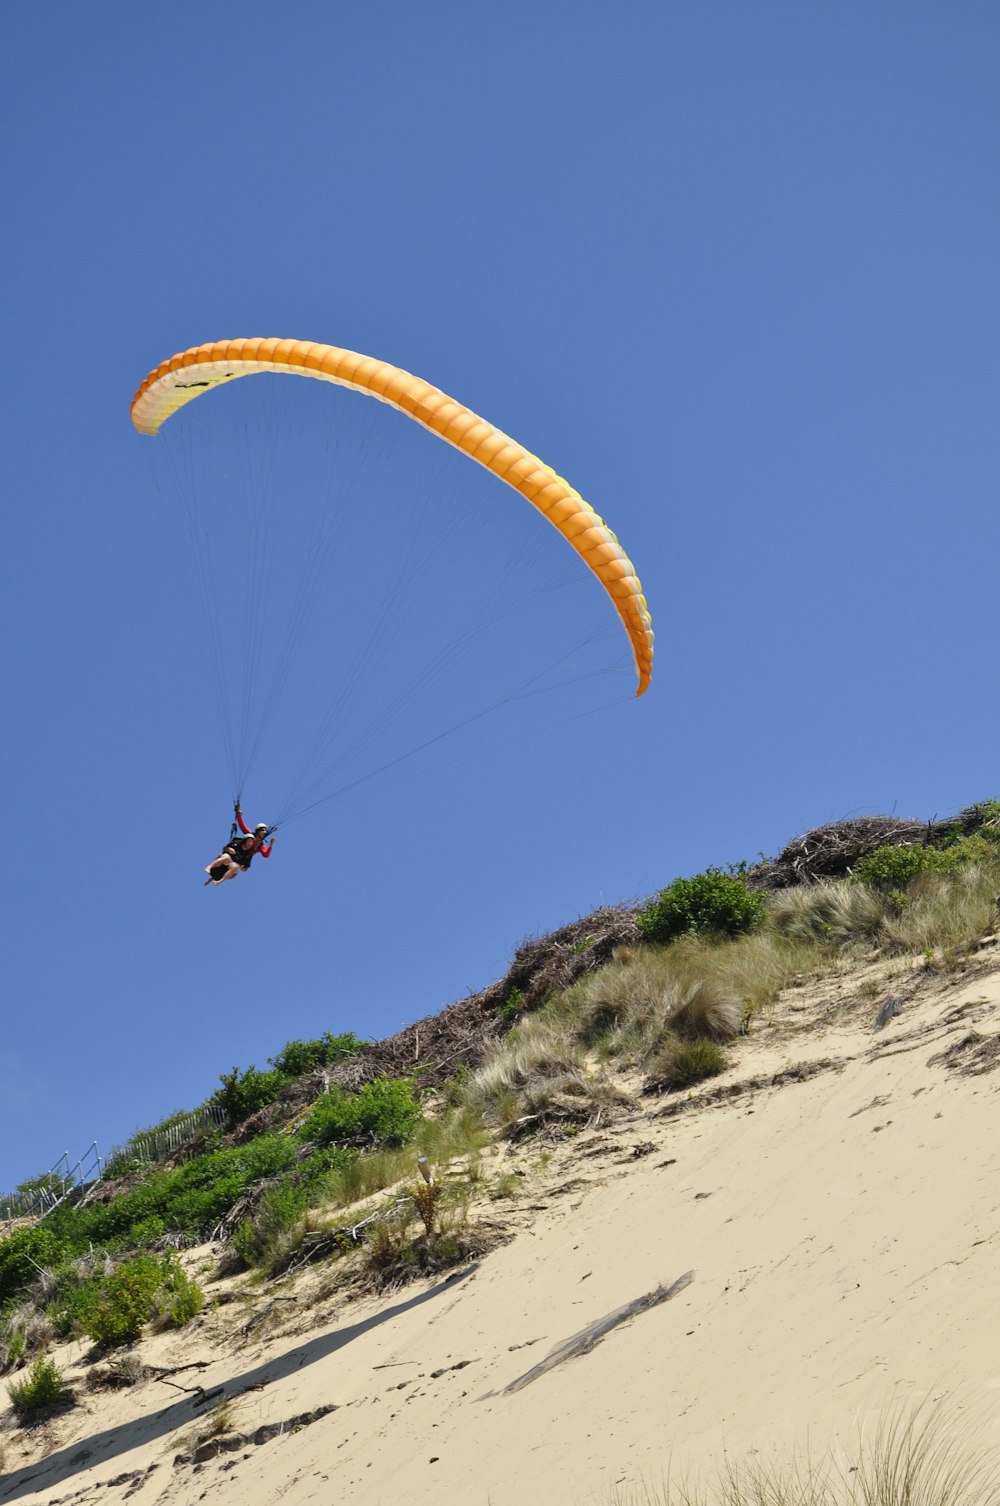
(242, 855)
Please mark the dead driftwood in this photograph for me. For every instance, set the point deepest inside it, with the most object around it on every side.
(584, 1341)
(323, 1242)
(163, 1373)
(830, 852)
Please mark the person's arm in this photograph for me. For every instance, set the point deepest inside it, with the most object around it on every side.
(266, 849)
(244, 828)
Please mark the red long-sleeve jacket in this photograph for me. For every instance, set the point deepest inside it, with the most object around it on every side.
(264, 848)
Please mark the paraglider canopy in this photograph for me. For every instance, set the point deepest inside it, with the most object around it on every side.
(193, 372)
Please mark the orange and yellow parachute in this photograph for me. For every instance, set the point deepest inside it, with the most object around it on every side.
(195, 371)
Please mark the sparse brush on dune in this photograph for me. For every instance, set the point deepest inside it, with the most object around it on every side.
(268, 1233)
(267, 1237)
(122, 1371)
(647, 1009)
(664, 1010)
(390, 1257)
(572, 1098)
(707, 955)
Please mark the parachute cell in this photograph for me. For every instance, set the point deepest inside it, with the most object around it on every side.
(196, 371)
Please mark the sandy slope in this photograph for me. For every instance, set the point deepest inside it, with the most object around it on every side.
(842, 1220)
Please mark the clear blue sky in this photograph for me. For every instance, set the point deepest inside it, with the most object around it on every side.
(730, 269)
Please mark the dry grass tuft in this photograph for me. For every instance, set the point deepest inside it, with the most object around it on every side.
(25, 1330)
(539, 1053)
(569, 1100)
(681, 1063)
(945, 910)
(840, 914)
(629, 1008)
(425, 1197)
(709, 1008)
(923, 1457)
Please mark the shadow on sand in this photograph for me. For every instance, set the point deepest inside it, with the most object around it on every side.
(101, 1448)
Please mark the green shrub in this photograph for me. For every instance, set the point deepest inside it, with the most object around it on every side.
(712, 902)
(123, 1163)
(985, 824)
(180, 1298)
(243, 1093)
(41, 1387)
(120, 1306)
(144, 1287)
(22, 1256)
(891, 870)
(258, 1240)
(383, 1112)
(391, 1258)
(146, 1231)
(71, 1287)
(513, 1005)
(298, 1057)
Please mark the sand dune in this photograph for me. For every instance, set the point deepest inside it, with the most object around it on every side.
(836, 1195)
